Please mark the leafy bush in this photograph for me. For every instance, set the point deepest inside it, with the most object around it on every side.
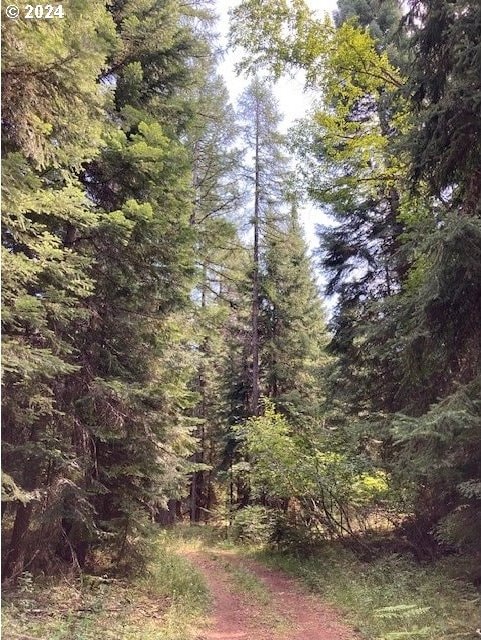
(333, 491)
(291, 533)
(254, 524)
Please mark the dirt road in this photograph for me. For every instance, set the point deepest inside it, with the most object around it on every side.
(252, 602)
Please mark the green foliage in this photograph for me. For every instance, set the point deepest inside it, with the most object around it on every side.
(436, 448)
(383, 18)
(98, 268)
(219, 256)
(293, 336)
(11, 492)
(55, 114)
(141, 326)
(253, 524)
(277, 34)
(53, 103)
(397, 105)
(173, 577)
(330, 491)
(445, 86)
(291, 533)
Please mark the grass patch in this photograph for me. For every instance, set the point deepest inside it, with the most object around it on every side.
(391, 598)
(246, 582)
(199, 537)
(165, 603)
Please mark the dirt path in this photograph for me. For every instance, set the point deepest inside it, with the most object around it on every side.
(233, 616)
(286, 612)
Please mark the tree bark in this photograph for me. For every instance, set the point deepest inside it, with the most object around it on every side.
(16, 555)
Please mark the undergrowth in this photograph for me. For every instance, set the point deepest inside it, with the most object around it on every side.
(390, 598)
(165, 603)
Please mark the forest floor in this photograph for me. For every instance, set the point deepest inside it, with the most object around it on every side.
(199, 586)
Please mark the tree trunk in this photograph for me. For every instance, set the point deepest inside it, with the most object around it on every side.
(17, 550)
(193, 495)
(197, 488)
(255, 287)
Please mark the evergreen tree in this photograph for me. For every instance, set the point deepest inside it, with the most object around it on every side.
(216, 162)
(140, 365)
(266, 172)
(100, 245)
(53, 118)
(439, 315)
(287, 332)
(382, 17)
(403, 261)
(293, 335)
(444, 82)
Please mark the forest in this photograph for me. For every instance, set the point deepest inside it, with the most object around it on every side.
(188, 390)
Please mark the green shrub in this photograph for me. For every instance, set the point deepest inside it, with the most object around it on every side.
(290, 533)
(253, 524)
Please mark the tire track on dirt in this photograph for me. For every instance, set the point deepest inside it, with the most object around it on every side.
(291, 614)
(233, 616)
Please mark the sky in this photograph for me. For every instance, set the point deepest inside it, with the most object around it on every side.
(293, 101)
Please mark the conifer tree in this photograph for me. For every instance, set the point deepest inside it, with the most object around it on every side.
(216, 162)
(53, 119)
(99, 248)
(439, 315)
(404, 260)
(293, 334)
(140, 366)
(266, 171)
(285, 333)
